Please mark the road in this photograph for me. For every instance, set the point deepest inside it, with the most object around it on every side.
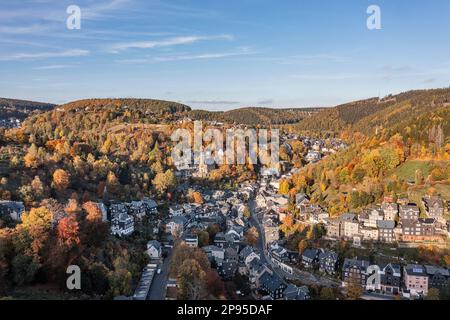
(159, 285)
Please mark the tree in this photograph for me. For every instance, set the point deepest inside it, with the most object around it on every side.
(164, 181)
(197, 197)
(251, 236)
(302, 245)
(93, 212)
(191, 280)
(68, 231)
(284, 187)
(214, 284)
(24, 269)
(37, 217)
(203, 238)
(61, 179)
(247, 213)
(433, 294)
(327, 294)
(37, 186)
(354, 288)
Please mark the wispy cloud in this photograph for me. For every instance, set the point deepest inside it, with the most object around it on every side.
(266, 102)
(45, 55)
(336, 76)
(53, 67)
(187, 57)
(168, 42)
(213, 102)
(22, 30)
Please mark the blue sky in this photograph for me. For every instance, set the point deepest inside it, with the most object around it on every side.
(222, 54)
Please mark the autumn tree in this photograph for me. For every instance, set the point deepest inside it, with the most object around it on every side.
(68, 231)
(251, 236)
(61, 179)
(164, 181)
(354, 288)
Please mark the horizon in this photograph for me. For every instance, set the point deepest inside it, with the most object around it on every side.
(222, 56)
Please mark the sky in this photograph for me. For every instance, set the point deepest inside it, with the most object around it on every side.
(222, 54)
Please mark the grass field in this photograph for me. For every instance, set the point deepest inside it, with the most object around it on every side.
(407, 171)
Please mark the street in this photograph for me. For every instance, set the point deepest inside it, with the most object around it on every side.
(158, 287)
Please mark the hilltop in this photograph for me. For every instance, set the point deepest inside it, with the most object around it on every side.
(375, 115)
(13, 111)
(256, 116)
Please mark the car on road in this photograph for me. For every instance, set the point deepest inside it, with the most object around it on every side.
(158, 271)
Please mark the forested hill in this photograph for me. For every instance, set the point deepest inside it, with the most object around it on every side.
(141, 106)
(375, 115)
(256, 116)
(20, 109)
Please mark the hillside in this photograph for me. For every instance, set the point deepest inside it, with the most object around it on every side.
(375, 115)
(13, 111)
(256, 116)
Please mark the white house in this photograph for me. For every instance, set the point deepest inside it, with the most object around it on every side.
(154, 249)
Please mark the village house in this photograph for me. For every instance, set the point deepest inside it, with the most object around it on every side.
(349, 225)
(355, 270)
(175, 226)
(154, 249)
(391, 279)
(228, 269)
(419, 230)
(273, 285)
(271, 229)
(434, 207)
(328, 261)
(390, 210)
(292, 292)
(191, 240)
(334, 228)
(409, 212)
(370, 217)
(369, 234)
(176, 211)
(310, 257)
(415, 280)
(247, 255)
(386, 231)
(122, 225)
(438, 277)
(14, 209)
(215, 254)
(281, 258)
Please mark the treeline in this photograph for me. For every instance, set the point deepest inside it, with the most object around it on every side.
(21, 109)
(255, 116)
(374, 115)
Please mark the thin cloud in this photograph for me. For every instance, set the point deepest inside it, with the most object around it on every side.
(46, 55)
(53, 67)
(168, 42)
(337, 76)
(213, 102)
(22, 30)
(266, 101)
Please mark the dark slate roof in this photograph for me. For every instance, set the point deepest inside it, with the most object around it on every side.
(432, 270)
(292, 292)
(310, 253)
(415, 270)
(361, 264)
(154, 243)
(328, 254)
(271, 282)
(385, 224)
(246, 252)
